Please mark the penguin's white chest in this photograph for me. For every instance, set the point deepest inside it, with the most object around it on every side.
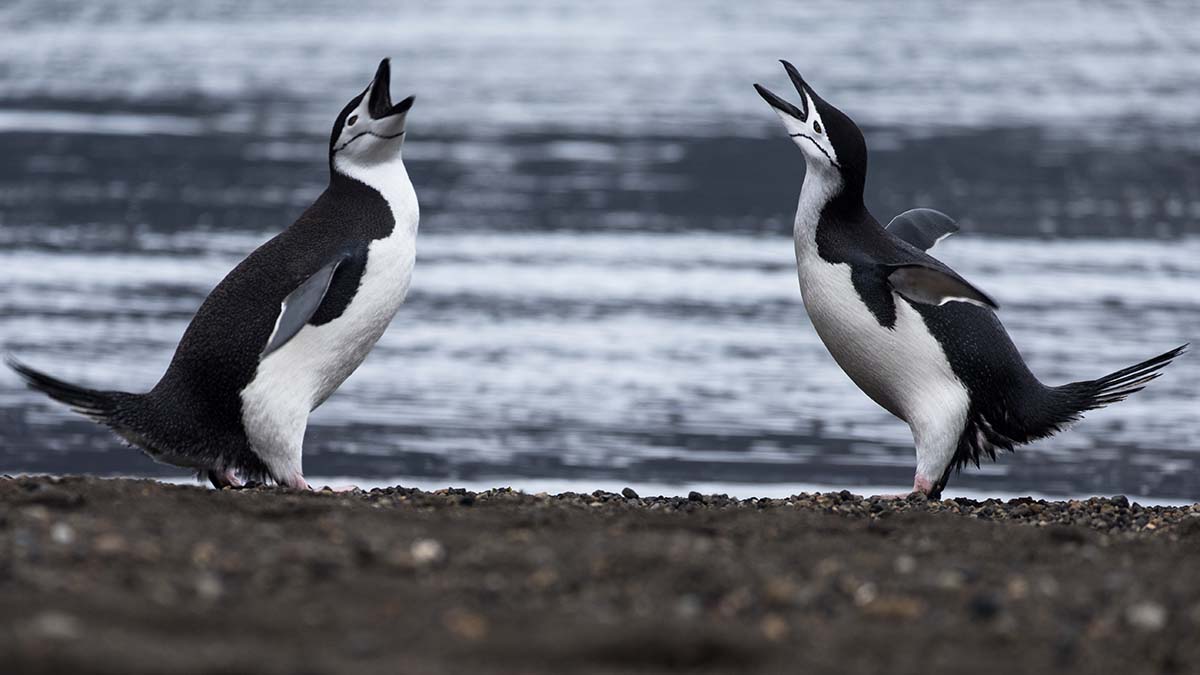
(301, 374)
(296, 378)
(902, 368)
(330, 352)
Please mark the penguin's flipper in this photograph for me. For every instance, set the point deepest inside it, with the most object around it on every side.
(928, 284)
(922, 227)
(299, 306)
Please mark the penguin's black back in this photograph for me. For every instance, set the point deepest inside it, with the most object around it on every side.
(196, 407)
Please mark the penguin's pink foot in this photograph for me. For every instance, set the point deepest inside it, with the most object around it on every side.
(295, 481)
(923, 485)
(223, 479)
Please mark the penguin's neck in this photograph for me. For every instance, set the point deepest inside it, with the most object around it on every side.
(390, 180)
(827, 200)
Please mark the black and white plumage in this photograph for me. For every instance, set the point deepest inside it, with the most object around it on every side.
(917, 338)
(288, 325)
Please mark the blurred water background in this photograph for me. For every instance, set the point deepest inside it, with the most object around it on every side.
(605, 289)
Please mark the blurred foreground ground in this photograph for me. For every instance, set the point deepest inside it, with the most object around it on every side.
(121, 576)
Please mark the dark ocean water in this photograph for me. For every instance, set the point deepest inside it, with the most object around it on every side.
(605, 289)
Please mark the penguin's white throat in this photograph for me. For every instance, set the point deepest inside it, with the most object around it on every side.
(822, 183)
(380, 172)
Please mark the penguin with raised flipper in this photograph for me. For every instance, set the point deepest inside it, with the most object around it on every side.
(288, 325)
(917, 338)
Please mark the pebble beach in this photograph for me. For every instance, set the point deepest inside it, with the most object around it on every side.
(136, 576)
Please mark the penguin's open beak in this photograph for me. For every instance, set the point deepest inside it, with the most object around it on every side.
(380, 103)
(781, 105)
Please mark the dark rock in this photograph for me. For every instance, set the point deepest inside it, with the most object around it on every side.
(984, 606)
(629, 493)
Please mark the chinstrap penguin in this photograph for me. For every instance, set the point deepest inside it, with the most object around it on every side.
(288, 325)
(917, 338)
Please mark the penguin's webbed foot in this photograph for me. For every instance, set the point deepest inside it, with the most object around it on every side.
(224, 478)
(932, 490)
(921, 486)
(295, 481)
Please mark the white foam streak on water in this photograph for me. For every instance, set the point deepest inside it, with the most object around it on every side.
(622, 67)
(118, 124)
(649, 268)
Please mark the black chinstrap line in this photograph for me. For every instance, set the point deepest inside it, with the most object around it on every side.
(370, 133)
(818, 145)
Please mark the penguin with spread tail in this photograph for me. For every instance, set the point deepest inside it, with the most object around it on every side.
(919, 339)
(288, 325)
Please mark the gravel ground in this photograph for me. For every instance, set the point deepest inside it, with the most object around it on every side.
(129, 576)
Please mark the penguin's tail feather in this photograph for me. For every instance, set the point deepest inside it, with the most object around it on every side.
(988, 431)
(1080, 397)
(133, 417)
(102, 406)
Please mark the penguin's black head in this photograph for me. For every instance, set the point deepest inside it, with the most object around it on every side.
(370, 130)
(829, 138)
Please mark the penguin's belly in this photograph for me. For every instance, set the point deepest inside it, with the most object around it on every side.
(349, 338)
(300, 375)
(902, 368)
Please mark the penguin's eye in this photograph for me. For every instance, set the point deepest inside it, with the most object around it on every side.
(816, 126)
(350, 122)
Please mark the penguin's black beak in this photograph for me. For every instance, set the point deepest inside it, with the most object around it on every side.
(380, 104)
(781, 105)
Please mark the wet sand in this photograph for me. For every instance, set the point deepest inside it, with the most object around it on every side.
(125, 576)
